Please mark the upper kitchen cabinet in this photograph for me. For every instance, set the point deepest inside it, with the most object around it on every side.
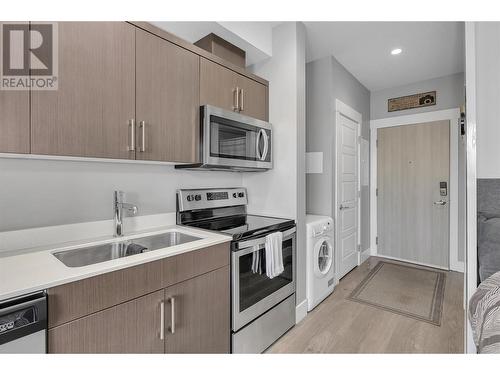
(224, 88)
(14, 121)
(89, 114)
(252, 98)
(167, 100)
(217, 85)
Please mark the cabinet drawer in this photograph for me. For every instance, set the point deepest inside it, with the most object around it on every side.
(74, 300)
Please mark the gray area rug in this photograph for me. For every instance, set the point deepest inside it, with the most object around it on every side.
(414, 292)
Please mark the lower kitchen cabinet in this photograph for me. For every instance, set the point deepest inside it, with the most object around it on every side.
(198, 313)
(189, 314)
(131, 327)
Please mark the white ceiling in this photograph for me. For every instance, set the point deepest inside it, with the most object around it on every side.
(430, 49)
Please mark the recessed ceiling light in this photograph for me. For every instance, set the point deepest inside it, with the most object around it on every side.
(396, 51)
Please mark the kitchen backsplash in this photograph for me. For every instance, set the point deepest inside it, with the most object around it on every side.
(37, 193)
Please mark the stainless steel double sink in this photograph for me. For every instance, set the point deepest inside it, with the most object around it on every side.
(101, 253)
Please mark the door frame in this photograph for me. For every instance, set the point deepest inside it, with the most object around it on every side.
(453, 115)
(342, 109)
(470, 278)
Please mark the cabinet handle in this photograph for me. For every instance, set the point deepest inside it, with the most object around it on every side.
(131, 145)
(162, 320)
(142, 126)
(236, 103)
(242, 95)
(172, 315)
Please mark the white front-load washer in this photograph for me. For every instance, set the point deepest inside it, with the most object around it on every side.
(320, 259)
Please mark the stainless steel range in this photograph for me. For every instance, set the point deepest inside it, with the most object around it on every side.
(262, 308)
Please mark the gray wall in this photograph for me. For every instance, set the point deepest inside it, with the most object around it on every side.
(488, 99)
(38, 193)
(326, 81)
(449, 91)
(281, 191)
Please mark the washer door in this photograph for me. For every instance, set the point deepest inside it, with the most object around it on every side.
(323, 257)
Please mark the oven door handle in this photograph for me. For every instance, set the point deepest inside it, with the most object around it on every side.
(261, 240)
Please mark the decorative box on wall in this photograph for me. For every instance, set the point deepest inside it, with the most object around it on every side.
(401, 103)
(222, 48)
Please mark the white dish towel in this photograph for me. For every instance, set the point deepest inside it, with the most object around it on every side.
(274, 254)
(256, 265)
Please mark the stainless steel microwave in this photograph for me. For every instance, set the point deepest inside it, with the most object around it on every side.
(232, 141)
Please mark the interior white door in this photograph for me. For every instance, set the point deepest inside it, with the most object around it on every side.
(347, 195)
(413, 212)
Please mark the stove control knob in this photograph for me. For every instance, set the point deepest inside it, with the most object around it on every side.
(197, 197)
(235, 195)
(189, 198)
(241, 195)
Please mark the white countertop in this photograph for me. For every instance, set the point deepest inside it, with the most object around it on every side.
(37, 269)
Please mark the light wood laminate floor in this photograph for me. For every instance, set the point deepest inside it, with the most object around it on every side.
(339, 325)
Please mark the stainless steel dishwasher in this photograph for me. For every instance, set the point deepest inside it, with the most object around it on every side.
(23, 324)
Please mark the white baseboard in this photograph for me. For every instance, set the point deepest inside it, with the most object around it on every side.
(300, 311)
(364, 255)
(413, 261)
(458, 266)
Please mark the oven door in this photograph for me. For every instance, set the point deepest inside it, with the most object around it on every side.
(253, 293)
(233, 140)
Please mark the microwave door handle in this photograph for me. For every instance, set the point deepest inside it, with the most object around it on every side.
(266, 145)
(257, 148)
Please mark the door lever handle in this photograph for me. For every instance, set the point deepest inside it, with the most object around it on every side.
(440, 203)
(342, 207)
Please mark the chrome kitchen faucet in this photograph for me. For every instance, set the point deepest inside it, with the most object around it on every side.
(119, 206)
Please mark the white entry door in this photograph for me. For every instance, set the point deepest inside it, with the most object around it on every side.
(347, 194)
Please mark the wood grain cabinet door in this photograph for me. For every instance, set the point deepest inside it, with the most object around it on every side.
(199, 312)
(252, 98)
(167, 100)
(217, 85)
(131, 327)
(14, 120)
(89, 114)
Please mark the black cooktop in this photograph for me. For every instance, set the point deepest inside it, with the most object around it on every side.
(244, 226)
